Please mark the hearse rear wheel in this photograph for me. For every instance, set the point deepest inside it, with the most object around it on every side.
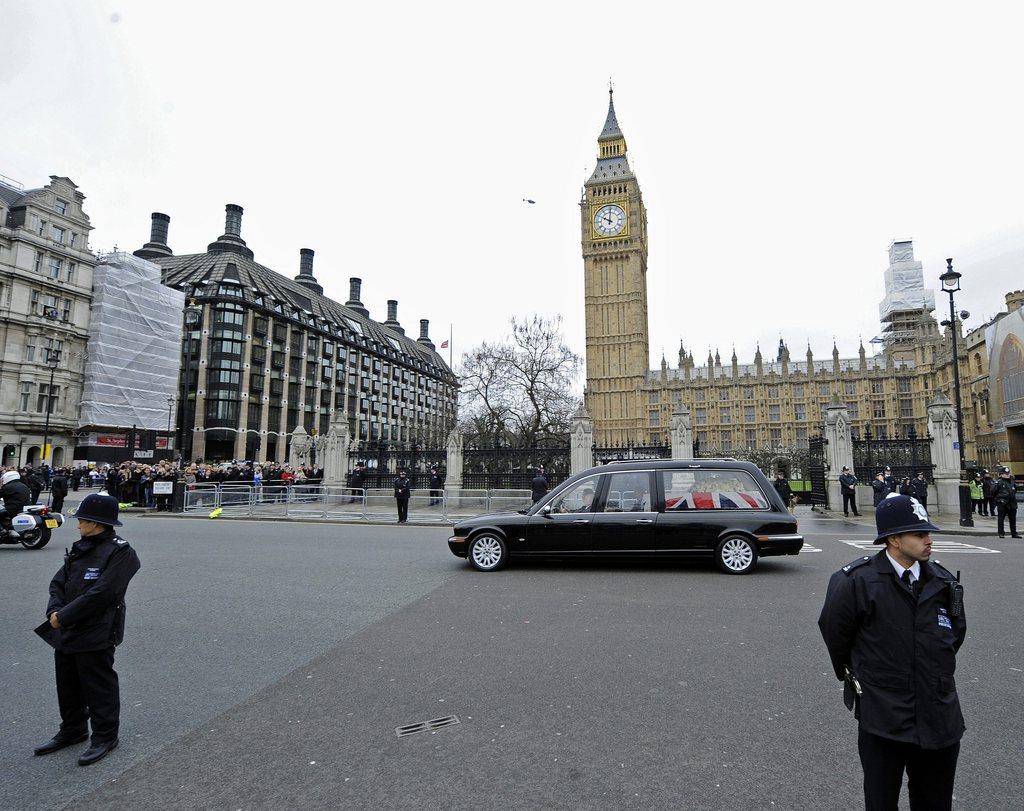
(736, 555)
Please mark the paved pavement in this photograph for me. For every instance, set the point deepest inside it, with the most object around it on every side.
(269, 664)
(984, 526)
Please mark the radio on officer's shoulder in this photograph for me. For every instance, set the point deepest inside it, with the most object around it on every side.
(956, 596)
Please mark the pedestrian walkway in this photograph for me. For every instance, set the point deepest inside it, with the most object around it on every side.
(984, 526)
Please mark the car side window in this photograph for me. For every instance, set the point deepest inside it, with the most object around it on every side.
(711, 490)
(628, 492)
(577, 499)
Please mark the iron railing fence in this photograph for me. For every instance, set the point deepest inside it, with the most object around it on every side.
(620, 453)
(906, 456)
(816, 469)
(505, 467)
(345, 503)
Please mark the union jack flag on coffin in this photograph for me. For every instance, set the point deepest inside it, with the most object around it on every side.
(728, 500)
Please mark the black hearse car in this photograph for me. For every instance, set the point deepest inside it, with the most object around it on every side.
(714, 508)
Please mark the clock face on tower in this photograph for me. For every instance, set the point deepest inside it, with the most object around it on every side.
(609, 220)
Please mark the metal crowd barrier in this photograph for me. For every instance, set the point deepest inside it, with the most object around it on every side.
(341, 503)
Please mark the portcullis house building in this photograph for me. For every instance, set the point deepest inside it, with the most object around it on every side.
(273, 352)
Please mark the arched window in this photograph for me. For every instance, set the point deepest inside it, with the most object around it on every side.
(1011, 370)
(977, 363)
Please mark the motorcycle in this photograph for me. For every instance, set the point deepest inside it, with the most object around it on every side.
(31, 527)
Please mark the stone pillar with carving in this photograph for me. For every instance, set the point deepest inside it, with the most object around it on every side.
(335, 451)
(682, 434)
(299, 447)
(838, 449)
(453, 467)
(581, 441)
(945, 456)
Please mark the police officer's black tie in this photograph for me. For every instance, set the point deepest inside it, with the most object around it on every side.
(911, 584)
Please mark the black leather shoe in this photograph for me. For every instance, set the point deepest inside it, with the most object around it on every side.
(97, 751)
(58, 742)
(1015, 536)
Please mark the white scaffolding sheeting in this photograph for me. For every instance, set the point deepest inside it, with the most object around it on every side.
(134, 350)
(904, 283)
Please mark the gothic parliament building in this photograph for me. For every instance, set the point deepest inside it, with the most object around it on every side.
(778, 401)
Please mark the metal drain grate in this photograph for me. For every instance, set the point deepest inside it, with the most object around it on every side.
(426, 726)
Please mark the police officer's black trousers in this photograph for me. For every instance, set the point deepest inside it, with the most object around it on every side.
(403, 508)
(58, 504)
(87, 690)
(930, 774)
(850, 502)
(1004, 513)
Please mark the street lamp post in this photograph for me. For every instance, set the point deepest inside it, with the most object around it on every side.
(52, 359)
(170, 406)
(193, 316)
(951, 284)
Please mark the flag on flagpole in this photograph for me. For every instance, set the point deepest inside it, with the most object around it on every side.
(444, 344)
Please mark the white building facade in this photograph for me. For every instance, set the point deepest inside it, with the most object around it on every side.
(45, 295)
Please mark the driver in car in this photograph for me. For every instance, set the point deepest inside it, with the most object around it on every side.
(15, 495)
(588, 500)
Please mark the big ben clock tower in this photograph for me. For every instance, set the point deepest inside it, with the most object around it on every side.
(614, 237)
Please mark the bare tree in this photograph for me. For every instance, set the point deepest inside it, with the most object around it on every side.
(518, 390)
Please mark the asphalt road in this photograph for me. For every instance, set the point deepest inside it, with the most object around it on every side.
(268, 665)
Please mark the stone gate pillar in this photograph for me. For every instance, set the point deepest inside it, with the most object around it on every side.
(838, 449)
(682, 434)
(453, 478)
(335, 452)
(945, 456)
(581, 441)
(297, 450)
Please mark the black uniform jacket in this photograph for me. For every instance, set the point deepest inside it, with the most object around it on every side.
(59, 486)
(881, 490)
(849, 482)
(1003, 493)
(403, 488)
(920, 490)
(88, 592)
(15, 495)
(783, 489)
(902, 651)
(539, 486)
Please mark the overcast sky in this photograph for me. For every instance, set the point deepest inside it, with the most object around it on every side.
(780, 147)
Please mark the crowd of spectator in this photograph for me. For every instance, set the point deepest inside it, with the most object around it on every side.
(133, 482)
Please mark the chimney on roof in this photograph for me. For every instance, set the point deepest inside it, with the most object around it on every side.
(157, 245)
(233, 220)
(306, 277)
(353, 303)
(231, 240)
(392, 322)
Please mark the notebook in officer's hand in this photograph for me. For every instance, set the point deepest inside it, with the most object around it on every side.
(48, 634)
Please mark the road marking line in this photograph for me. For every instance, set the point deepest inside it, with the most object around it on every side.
(808, 548)
(937, 546)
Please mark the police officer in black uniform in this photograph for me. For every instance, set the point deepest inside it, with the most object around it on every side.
(85, 621)
(403, 490)
(848, 487)
(58, 490)
(539, 485)
(436, 485)
(893, 624)
(1004, 494)
(357, 481)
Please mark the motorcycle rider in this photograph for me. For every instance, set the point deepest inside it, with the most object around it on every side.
(15, 494)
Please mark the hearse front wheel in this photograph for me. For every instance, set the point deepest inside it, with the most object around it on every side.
(487, 552)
